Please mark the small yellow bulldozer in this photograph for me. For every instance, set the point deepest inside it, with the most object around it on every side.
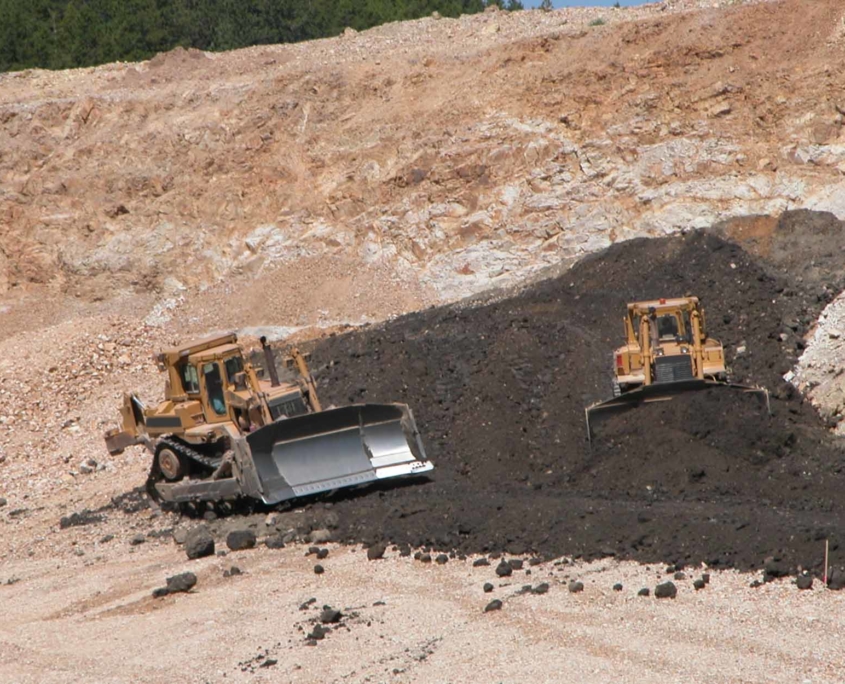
(222, 432)
(667, 352)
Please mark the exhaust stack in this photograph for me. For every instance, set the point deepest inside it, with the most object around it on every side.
(270, 362)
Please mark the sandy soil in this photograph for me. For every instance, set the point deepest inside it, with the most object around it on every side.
(94, 620)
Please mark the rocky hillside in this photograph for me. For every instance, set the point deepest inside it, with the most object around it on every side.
(417, 162)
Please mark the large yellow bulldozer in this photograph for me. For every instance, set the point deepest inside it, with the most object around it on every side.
(667, 352)
(222, 432)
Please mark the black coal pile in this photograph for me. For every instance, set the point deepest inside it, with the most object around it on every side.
(499, 389)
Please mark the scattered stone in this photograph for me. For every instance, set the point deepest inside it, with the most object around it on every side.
(418, 555)
(240, 540)
(534, 561)
(576, 587)
(804, 581)
(540, 589)
(106, 538)
(495, 604)
(405, 551)
(199, 543)
(179, 535)
(836, 580)
(274, 541)
(85, 517)
(318, 570)
(3, 502)
(322, 553)
(487, 587)
(330, 615)
(310, 602)
(706, 578)
(320, 536)
(666, 590)
(318, 633)
(183, 582)
(645, 591)
(774, 568)
(441, 559)
(679, 575)
(160, 592)
(480, 562)
(515, 563)
(269, 662)
(312, 551)
(755, 584)
(232, 572)
(376, 551)
(425, 558)
(617, 587)
(504, 569)
(699, 584)
(137, 539)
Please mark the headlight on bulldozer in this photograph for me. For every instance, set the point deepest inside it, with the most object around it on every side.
(684, 350)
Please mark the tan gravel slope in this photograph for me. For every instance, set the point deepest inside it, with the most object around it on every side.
(404, 622)
(452, 154)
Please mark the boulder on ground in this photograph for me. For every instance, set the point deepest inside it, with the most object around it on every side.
(376, 551)
(666, 590)
(330, 615)
(199, 542)
(495, 604)
(182, 582)
(275, 541)
(504, 569)
(240, 540)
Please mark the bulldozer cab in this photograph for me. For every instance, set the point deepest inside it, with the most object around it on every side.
(208, 372)
(216, 370)
(668, 320)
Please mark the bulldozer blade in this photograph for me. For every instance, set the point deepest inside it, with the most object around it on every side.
(336, 448)
(663, 392)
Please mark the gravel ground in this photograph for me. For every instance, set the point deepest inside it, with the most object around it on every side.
(404, 621)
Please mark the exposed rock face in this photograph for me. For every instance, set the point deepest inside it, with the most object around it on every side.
(593, 137)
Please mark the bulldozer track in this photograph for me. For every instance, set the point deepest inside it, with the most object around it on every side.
(191, 454)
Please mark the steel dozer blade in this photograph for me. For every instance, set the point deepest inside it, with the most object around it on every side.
(336, 448)
(665, 391)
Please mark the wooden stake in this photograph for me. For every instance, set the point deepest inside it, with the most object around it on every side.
(826, 552)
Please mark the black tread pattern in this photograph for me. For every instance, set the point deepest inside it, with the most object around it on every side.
(191, 454)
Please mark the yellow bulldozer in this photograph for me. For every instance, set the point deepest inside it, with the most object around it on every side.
(222, 432)
(667, 352)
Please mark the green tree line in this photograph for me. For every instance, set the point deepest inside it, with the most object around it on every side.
(60, 34)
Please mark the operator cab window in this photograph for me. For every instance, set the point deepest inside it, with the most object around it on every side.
(687, 327)
(234, 365)
(667, 325)
(214, 387)
(190, 381)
